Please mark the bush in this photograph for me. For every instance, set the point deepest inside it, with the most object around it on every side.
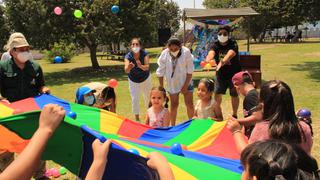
(64, 50)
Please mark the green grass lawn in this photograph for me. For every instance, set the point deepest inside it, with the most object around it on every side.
(296, 64)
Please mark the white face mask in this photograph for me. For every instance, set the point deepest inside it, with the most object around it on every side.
(136, 49)
(223, 38)
(89, 100)
(23, 57)
(174, 54)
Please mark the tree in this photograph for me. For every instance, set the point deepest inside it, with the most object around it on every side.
(4, 28)
(221, 3)
(168, 15)
(98, 26)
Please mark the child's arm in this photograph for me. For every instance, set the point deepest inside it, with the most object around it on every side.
(252, 119)
(26, 163)
(218, 113)
(160, 164)
(238, 136)
(167, 119)
(100, 153)
(147, 120)
(113, 105)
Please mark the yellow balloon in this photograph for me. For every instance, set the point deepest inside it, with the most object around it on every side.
(207, 66)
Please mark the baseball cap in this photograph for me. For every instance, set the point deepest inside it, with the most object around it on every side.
(237, 79)
(16, 40)
(225, 27)
(81, 92)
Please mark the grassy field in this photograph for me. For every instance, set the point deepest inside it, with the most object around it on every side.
(296, 64)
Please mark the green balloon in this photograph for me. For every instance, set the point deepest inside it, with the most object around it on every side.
(77, 13)
(63, 170)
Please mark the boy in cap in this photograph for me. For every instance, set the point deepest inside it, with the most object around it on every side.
(244, 84)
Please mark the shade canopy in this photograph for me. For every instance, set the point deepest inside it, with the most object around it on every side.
(215, 14)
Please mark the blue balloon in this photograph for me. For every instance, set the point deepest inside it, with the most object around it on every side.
(58, 59)
(115, 9)
(176, 149)
(134, 151)
(304, 113)
(72, 115)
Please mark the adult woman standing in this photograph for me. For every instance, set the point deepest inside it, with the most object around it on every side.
(136, 65)
(176, 67)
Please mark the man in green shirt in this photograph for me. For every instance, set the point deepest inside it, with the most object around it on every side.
(20, 76)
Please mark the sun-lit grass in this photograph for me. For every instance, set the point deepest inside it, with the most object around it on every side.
(296, 64)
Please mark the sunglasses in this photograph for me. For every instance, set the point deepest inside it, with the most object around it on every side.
(135, 44)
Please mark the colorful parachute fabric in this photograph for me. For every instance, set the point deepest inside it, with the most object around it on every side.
(209, 153)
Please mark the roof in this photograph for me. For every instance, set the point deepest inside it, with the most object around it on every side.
(214, 14)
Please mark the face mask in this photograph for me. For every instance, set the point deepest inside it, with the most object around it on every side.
(89, 100)
(136, 49)
(223, 38)
(174, 54)
(24, 56)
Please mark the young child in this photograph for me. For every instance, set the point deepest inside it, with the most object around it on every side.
(271, 159)
(244, 84)
(157, 114)
(305, 116)
(206, 106)
(279, 119)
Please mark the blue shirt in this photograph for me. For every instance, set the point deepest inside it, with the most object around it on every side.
(136, 74)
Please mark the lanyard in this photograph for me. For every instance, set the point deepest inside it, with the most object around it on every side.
(174, 62)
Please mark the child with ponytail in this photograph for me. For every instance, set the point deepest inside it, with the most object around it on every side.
(158, 114)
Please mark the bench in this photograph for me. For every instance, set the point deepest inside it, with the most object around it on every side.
(252, 64)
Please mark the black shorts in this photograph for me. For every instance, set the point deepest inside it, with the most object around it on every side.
(221, 86)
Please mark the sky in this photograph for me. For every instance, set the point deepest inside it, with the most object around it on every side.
(189, 3)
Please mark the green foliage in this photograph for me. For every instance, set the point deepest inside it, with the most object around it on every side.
(4, 28)
(98, 26)
(62, 49)
(220, 3)
(168, 15)
(273, 13)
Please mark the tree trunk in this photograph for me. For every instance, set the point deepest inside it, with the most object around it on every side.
(93, 56)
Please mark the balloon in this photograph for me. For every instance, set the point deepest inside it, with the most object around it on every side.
(63, 170)
(212, 63)
(134, 151)
(55, 173)
(115, 9)
(72, 115)
(203, 63)
(176, 149)
(77, 13)
(113, 83)
(57, 10)
(304, 113)
(207, 66)
(58, 59)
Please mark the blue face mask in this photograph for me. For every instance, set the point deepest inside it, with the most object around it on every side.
(89, 100)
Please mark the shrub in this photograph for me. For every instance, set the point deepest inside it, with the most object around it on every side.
(64, 50)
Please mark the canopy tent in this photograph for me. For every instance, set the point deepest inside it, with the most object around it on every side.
(197, 16)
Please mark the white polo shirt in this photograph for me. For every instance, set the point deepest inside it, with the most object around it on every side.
(184, 66)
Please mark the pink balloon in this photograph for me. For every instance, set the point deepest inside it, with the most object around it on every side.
(113, 83)
(55, 173)
(57, 10)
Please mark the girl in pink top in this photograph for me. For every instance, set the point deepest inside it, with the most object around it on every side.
(280, 121)
(157, 114)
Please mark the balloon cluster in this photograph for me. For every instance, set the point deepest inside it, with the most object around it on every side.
(53, 172)
(78, 13)
(206, 65)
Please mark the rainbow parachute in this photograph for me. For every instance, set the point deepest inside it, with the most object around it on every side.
(209, 150)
